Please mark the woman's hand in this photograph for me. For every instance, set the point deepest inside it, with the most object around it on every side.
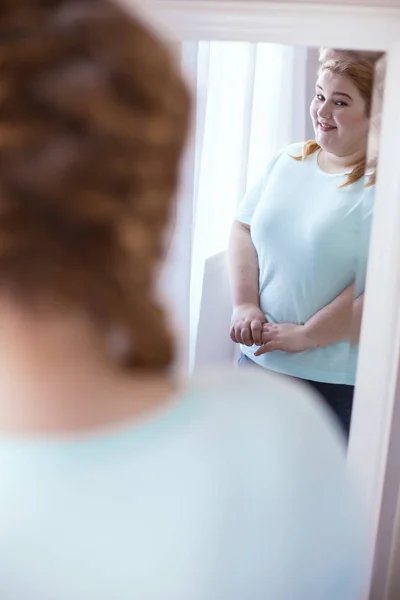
(246, 325)
(284, 336)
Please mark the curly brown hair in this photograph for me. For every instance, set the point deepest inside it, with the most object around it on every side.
(360, 68)
(93, 120)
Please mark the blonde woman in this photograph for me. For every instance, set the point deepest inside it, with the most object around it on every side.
(117, 482)
(296, 245)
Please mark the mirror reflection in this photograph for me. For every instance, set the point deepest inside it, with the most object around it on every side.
(282, 181)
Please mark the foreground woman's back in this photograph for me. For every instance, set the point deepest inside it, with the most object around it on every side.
(237, 490)
(116, 483)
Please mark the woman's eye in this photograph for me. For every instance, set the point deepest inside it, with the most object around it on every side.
(338, 103)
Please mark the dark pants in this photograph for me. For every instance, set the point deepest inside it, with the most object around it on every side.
(338, 396)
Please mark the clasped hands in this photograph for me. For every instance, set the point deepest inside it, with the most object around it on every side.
(249, 327)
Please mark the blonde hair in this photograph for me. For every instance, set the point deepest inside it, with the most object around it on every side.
(94, 116)
(359, 67)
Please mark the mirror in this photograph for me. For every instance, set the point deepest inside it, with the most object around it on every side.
(284, 194)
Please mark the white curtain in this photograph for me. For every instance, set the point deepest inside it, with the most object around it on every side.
(248, 105)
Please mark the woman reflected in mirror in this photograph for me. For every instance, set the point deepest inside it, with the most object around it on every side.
(297, 261)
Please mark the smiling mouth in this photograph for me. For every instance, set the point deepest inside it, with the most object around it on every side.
(326, 127)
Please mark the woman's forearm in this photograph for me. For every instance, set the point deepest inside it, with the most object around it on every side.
(243, 266)
(338, 321)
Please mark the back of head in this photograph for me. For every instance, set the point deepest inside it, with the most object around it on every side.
(94, 116)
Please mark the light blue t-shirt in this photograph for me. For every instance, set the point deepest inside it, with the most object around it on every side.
(237, 491)
(310, 237)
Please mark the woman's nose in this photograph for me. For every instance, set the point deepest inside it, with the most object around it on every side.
(324, 111)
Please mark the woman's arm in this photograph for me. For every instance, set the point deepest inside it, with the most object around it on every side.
(337, 321)
(247, 318)
(243, 266)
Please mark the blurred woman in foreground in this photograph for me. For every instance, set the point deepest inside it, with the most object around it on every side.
(117, 481)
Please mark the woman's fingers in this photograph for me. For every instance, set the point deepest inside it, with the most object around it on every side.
(236, 333)
(247, 333)
(246, 336)
(268, 338)
(256, 332)
(267, 335)
(269, 347)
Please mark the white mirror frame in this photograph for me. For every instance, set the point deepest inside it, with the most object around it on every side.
(376, 424)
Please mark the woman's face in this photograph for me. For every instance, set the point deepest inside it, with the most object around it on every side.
(339, 115)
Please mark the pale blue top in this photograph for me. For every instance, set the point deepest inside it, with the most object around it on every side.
(311, 240)
(237, 491)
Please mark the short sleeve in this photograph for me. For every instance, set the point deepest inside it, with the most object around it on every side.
(253, 196)
(250, 201)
